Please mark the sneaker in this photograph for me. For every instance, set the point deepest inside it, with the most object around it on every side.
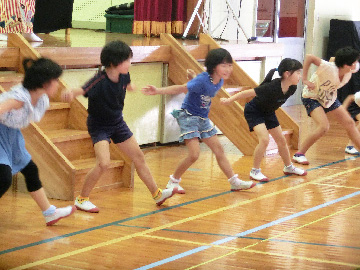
(237, 184)
(300, 158)
(255, 174)
(293, 170)
(175, 183)
(351, 150)
(86, 205)
(166, 194)
(59, 214)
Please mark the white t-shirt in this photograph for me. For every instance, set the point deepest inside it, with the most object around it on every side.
(22, 117)
(327, 82)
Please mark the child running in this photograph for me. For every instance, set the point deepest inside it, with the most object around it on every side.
(346, 96)
(106, 93)
(261, 118)
(320, 97)
(23, 104)
(193, 117)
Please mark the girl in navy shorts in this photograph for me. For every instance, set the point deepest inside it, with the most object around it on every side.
(260, 114)
(106, 94)
(193, 117)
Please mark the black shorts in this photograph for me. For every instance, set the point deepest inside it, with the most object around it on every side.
(255, 117)
(354, 110)
(117, 132)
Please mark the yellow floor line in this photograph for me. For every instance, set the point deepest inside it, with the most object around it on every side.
(284, 255)
(188, 242)
(339, 186)
(168, 225)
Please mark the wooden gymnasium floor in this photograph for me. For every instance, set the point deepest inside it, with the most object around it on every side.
(310, 222)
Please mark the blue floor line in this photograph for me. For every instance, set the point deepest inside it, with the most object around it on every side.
(151, 213)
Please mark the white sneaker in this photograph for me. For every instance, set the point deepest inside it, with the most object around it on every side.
(351, 150)
(300, 158)
(256, 174)
(293, 170)
(166, 194)
(237, 184)
(59, 214)
(86, 205)
(173, 182)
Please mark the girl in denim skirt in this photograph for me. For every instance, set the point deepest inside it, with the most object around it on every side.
(193, 117)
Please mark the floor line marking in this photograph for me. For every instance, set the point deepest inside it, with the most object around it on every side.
(261, 227)
(153, 212)
(243, 237)
(54, 258)
(334, 185)
(286, 232)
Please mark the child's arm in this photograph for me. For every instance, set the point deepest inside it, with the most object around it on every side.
(67, 95)
(309, 59)
(170, 90)
(190, 74)
(131, 87)
(241, 95)
(11, 104)
(348, 100)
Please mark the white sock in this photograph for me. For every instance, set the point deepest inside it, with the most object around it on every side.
(49, 211)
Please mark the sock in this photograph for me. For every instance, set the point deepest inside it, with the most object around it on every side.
(49, 211)
(157, 194)
(255, 170)
(233, 178)
(289, 166)
(174, 180)
(81, 199)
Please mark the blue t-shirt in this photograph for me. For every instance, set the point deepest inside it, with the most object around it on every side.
(200, 91)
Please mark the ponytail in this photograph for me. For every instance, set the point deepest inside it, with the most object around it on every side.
(269, 76)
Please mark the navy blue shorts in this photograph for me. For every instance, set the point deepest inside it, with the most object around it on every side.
(255, 117)
(117, 132)
(312, 104)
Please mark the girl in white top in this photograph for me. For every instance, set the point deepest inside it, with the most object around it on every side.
(320, 97)
(23, 104)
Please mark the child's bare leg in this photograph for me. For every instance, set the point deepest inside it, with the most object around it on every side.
(263, 137)
(348, 123)
(193, 148)
(102, 154)
(216, 147)
(283, 148)
(322, 126)
(40, 198)
(131, 148)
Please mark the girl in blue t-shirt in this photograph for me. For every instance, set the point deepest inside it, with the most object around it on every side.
(193, 117)
(260, 113)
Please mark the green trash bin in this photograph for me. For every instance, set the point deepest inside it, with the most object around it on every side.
(119, 23)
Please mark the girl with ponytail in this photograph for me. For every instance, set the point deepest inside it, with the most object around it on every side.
(260, 114)
(25, 103)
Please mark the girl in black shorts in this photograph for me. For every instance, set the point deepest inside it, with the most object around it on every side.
(260, 113)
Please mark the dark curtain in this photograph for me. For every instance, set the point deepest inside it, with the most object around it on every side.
(52, 15)
(159, 16)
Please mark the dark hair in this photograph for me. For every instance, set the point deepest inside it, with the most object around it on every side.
(39, 71)
(287, 64)
(216, 57)
(346, 56)
(114, 53)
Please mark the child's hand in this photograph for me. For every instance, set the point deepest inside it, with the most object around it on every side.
(190, 74)
(149, 90)
(131, 87)
(309, 84)
(225, 101)
(67, 95)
